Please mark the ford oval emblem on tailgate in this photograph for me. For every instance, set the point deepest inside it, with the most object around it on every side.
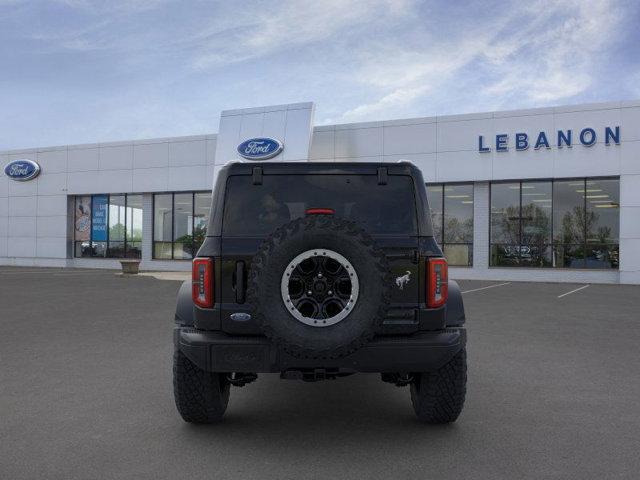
(240, 317)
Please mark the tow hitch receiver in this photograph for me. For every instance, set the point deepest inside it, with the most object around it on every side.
(314, 375)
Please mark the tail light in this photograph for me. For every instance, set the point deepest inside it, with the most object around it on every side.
(437, 282)
(202, 282)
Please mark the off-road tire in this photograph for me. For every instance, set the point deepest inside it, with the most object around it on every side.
(438, 397)
(201, 397)
(317, 232)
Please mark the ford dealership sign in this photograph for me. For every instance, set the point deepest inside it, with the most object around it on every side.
(22, 170)
(260, 148)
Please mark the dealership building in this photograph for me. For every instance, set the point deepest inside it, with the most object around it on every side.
(548, 194)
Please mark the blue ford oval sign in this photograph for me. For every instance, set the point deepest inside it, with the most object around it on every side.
(22, 170)
(260, 148)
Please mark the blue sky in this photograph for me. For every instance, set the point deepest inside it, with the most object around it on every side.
(76, 71)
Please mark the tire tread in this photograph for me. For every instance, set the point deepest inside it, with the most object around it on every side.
(200, 396)
(438, 397)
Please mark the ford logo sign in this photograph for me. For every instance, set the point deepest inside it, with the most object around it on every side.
(260, 148)
(22, 170)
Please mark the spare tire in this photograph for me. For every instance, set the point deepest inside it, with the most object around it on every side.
(319, 286)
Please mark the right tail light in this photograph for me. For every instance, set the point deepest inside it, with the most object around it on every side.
(437, 282)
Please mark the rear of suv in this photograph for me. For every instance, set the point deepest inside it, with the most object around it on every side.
(317, 271)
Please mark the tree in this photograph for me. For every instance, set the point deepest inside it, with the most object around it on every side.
(116, 232)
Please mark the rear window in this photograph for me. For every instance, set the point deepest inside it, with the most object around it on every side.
(260, 209)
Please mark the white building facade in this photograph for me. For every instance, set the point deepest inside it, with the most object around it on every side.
(550, 194)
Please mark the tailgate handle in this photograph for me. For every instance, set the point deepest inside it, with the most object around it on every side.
(240, 281)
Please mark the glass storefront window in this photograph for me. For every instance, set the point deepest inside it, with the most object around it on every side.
(564, 223)
(505, 224)
(134, 226)
(535, 241)
(162, 225)
(117, 220)
(180, 224)
(82, 226)
(451, 208)
(108, 226)
(201, 208)
(434, 195)
(569, 223)
(603, 223)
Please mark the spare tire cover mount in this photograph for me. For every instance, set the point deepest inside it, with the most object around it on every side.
(319, 287)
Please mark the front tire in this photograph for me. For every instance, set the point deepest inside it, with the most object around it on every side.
(201, 397)
(438, 397)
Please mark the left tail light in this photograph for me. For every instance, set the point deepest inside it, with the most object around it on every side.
(437, 282)
(202, 282)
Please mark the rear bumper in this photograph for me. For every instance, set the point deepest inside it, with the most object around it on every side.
(219, 352)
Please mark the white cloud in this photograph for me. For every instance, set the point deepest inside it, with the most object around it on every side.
(159, 68)
(556, 63)
(262, 32)
(544, 52)
(398, 98)
(404, 77)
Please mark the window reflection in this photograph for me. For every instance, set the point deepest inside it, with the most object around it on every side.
(108, 226)
(536, 201)
(134, 226)
(565, 223)
(117, 218)
(451, 208)
(569, 223)
(603, 223)
(162, 225)
(434, 196)
(505, 224)
(201, 207)
(180, 224)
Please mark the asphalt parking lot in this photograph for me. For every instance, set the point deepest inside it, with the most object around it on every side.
(85, 392)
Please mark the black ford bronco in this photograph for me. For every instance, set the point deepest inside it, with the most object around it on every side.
(317, 271)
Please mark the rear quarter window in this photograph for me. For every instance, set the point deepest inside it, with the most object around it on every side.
(257, 210)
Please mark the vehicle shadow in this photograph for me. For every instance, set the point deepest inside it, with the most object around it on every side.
(358, 410)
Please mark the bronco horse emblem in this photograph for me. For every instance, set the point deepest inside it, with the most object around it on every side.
(403, 280)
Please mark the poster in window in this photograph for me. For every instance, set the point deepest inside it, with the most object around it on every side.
(83, 219)
(99, 218)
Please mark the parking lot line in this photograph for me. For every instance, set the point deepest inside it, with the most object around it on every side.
(56, 273)
(484, 288)
(573, 291)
